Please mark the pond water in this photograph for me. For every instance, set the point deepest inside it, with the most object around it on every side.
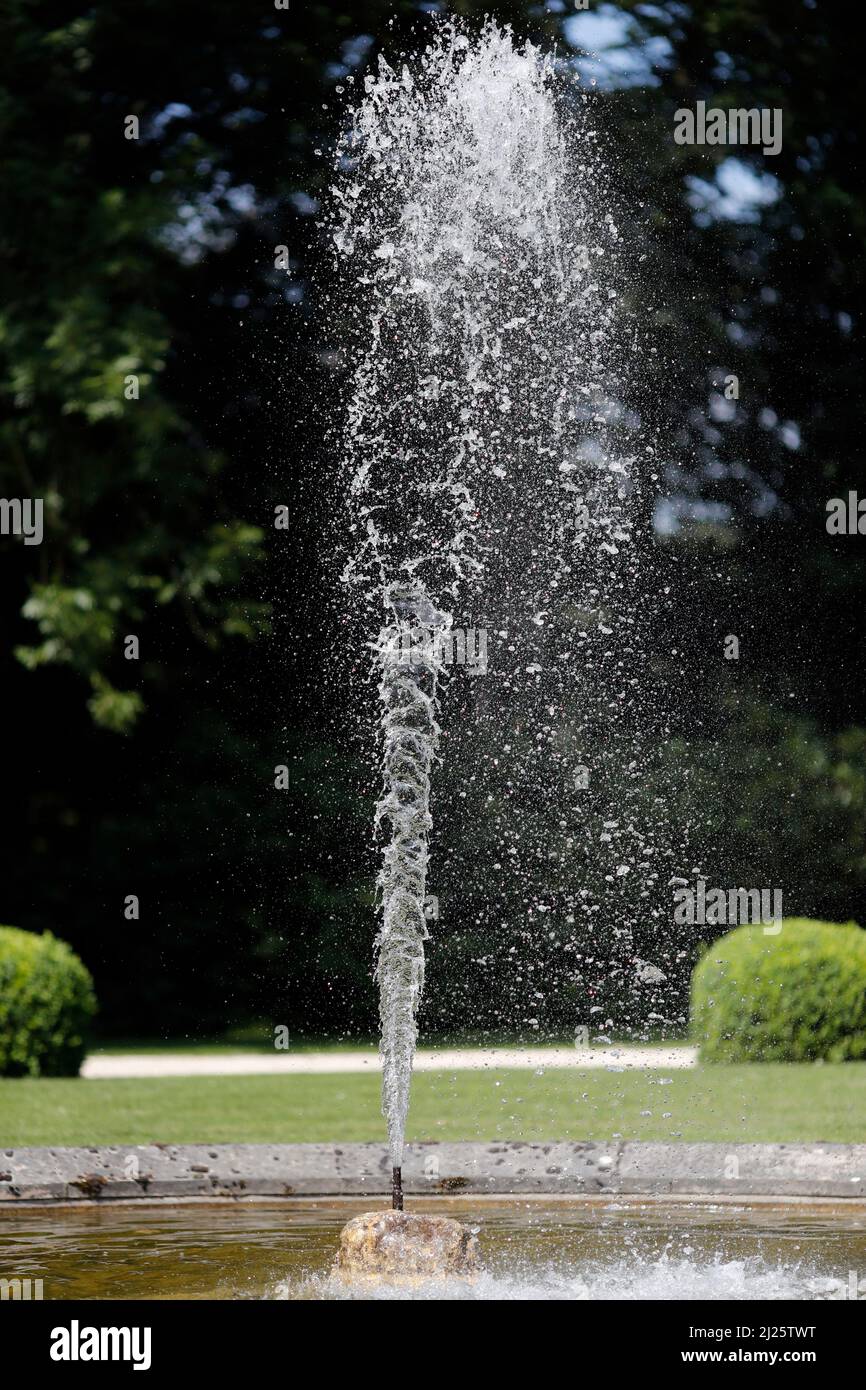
(533, 1248)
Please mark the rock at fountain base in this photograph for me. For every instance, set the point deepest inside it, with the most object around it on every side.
(399, 1247)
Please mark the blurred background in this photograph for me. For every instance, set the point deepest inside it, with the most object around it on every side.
(154, 258)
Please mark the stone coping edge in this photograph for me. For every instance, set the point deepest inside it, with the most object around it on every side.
(343, 1170)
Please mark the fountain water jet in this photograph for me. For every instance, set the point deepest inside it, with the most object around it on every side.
(408, 692)
(479, 328)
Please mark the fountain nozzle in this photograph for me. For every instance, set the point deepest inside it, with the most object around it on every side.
(397, 1189)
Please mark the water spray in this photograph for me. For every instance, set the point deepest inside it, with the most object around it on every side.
(469, 212)
(409, 651)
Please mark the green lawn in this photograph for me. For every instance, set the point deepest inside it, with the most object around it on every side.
(771, 1103)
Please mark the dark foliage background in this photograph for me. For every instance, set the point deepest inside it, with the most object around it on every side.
(155, 257)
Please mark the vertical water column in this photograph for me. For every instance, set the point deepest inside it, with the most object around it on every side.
(477, 248)
(410, 662)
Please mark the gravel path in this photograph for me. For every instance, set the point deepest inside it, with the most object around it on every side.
(103, 1066)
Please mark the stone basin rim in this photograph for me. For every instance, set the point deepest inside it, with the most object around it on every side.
(498, 1170)
(347, 1205)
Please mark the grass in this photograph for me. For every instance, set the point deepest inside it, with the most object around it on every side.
(773, 1102)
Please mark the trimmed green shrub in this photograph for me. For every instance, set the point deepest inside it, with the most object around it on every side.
(795, 997)
(46, 1004)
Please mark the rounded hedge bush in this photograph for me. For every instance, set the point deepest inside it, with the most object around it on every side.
(794, 997)
(46, 1004)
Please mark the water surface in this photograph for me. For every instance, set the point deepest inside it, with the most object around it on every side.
(533, 1248)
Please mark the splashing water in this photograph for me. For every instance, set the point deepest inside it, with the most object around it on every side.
(475, 235)
(664, 1279)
